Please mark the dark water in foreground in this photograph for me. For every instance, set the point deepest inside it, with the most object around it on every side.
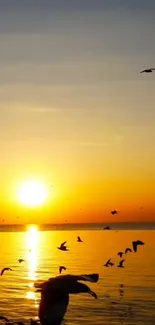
(136, 305)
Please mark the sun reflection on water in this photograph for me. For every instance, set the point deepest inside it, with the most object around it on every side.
(32, 240)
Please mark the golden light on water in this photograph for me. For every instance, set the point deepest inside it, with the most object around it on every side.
(32, 241)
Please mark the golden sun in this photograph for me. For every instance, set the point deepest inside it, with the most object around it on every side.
(32, 193)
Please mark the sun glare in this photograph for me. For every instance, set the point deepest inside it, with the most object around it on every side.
(32, 193)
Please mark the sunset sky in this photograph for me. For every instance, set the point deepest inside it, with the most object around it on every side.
(75, 112)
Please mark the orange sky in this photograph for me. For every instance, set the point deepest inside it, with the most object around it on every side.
(75, 111)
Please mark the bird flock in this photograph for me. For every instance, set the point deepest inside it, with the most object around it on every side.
(135, 245)
(55, 292)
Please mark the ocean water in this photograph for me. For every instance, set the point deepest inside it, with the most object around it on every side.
(135, 305)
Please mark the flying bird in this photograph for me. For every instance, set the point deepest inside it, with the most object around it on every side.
(148, 70)
(107, 228)
(128, 250)
(121, 285)
(62, 268)
(6, 269)
(120, 254)
(20, 260)
(63, 247)
(5, 319)
(121, 291)
(121, 263)
(79, 239)
(108, 263)
(136, 243)
(55, 295)
(114, 212)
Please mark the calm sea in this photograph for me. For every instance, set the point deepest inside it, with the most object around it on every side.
(135, 304)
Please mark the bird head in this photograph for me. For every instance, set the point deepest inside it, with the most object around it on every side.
(75, 287)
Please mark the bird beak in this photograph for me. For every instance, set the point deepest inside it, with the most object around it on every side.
(93, 294)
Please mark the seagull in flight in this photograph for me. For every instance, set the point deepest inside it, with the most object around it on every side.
(62, 268)
(148, 70)
(121, 263)
(114, 212)
(55, 295)
(63, 247)
(121, 285)
(136, 243)
(120, 254)
(6, 269)
(108, 263)
(79, 239)
(5, 319)
(128, 250)
(20, 260)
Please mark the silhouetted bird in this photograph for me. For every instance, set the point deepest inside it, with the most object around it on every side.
(121, 291)
(107, 228)
(114, 212)
(62, 268)
(148, 70)
(63, 247)
(108, 263)
(5, 319)
(136, 243)
(121, 285)
(121, 263)
(120, 254)
(79, 239)
(128, 250)
(55, 295)
(21, 260)
(6, 269)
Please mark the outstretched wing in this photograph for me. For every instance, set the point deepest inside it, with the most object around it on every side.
(134, 244)
(121, 262)
(108, 261)
(88, 277)
(63, 243)
(52, 313)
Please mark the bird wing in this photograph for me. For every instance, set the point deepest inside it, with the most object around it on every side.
(128, 250)
(142, 71)
(54, 314)
(88, 277)
(4, 318)
(63, 243)
(108, 261)
(134, 244)
(121, 262)
(139, 242)
(79, 238)
(3, 270)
